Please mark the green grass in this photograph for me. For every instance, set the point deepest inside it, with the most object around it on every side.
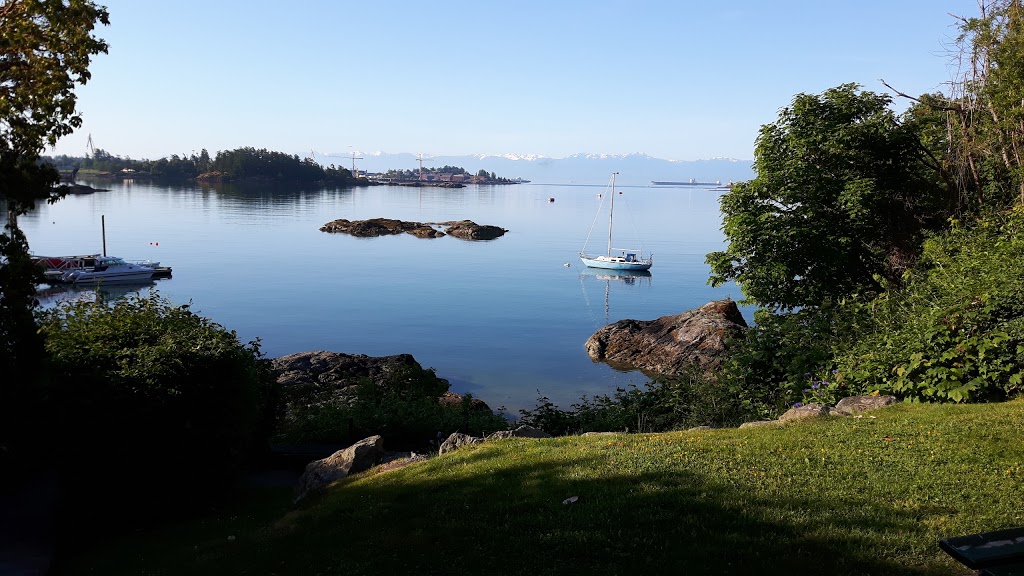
(833, 496)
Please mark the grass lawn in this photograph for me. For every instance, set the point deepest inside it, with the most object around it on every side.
(868, 495)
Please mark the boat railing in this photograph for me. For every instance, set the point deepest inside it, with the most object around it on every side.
(64, 263)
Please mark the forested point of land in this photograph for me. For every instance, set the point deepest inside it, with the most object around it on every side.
(251, 164)
(230, 165)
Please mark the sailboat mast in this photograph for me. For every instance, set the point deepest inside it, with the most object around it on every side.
(611, 215)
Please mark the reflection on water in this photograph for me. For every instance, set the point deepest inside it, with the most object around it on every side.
(53, 294)
(626, 276)
(629, 278)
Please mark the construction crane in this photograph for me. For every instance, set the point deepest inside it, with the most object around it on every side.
(354, 158)
(420, 159)
(90, 147)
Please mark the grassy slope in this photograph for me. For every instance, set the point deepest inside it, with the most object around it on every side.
(835, 496)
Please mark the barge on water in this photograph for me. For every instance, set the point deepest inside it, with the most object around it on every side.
(690, 182)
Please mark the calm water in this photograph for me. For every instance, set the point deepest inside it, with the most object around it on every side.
(502, 319)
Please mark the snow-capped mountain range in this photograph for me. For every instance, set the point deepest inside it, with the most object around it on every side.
(583, 168)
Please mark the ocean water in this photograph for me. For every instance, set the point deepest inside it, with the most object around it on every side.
(504, 319)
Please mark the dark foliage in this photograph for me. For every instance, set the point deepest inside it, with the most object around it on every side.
(661, 405)
(152, 399)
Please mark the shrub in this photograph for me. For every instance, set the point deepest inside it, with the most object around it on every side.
(768, 368)
(152, 394)
(661, 405)
(956, 331)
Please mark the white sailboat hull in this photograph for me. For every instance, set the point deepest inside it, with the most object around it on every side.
(624, 262)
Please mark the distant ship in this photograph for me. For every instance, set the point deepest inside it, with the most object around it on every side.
(691, 182)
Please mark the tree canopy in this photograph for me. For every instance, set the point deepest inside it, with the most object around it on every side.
(843, 193)
(45, 50)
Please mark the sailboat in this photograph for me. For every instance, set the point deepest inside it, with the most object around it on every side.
(628, 259)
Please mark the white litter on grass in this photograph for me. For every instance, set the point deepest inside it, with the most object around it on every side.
(570, 499)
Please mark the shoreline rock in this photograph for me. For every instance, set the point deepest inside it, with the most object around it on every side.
(671, 345)
(318, 379)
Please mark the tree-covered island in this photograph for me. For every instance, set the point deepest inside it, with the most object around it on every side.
(257, 165)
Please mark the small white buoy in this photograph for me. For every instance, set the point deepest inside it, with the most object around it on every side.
(551, 199)
(567, 265)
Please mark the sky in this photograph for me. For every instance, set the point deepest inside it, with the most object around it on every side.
(675, 79)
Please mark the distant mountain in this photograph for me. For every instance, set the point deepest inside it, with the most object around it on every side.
(633, 169)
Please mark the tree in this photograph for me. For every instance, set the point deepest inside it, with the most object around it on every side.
(987, 103)
(843, 193)
(45, 50)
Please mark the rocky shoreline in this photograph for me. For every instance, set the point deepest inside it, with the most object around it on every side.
(667, 346)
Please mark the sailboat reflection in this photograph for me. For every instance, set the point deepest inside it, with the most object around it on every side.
(625, 277)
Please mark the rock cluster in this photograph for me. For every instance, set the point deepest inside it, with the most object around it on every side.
(850, 406)
(465, 229)
(457, 440)
(469, 230)
(671, 345)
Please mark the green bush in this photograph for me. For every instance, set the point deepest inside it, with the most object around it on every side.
(768, 368)
(956, 331)
(151, 393)
(661, 405)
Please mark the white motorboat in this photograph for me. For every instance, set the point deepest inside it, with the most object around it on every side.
(109, 270)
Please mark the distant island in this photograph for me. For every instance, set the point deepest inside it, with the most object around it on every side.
(259, 165)
(446, 176)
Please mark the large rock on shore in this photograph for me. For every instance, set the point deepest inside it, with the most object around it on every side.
(320, 376)
(671, 345)
(358, 457)
(319, 379)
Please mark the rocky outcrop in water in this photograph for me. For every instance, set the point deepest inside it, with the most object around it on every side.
(380, 227)
(671, 345)
(465, 229)
(469, 230)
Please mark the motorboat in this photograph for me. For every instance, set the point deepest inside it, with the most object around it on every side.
(109, 270)
(626, 259)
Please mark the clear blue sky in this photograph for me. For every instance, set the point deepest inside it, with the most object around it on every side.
(676, 79)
